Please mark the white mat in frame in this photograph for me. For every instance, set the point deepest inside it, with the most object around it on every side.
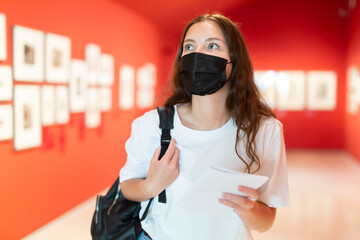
(6, 83)
(3, 46)
(57, 61)
(77, 85)
(28, 54)
(27, 119)
(6, 122)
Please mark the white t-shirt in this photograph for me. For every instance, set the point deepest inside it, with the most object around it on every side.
(199, 150)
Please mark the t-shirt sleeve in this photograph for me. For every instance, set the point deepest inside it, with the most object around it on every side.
(140, 147)
(275, 192)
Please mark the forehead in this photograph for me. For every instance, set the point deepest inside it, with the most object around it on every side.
(202, 30)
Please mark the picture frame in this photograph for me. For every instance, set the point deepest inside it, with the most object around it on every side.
(57, 60)
(93, 58)
(353, 91)
(77, 86)
(266, 83)
(48, 105)
(62, 105)
(27, 122)
(3, 46)
(93, 108)
(6, 122)
(28, 54)
(145, 83)
(322, 90)
(291, 87)
(106, 70)
(126, 87)
(106, 98)
(6, 83)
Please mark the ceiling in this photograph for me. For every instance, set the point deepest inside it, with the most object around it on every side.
(173, 15)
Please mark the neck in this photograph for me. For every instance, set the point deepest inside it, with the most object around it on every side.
(206, 112)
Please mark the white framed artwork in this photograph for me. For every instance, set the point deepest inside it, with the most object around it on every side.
(6, 83)
(77, 86)
(106, 98)
(48, 105)
(126, 87)
(62, 105)
(265, 81)
(27, 123)
(353, 91)
(28, 54)
(6, 122)
(93, 58)
(322, 90)
(106, 69)
(57, 60)
(2, 37)
(93, 108)
(291, 86)
(145, 83)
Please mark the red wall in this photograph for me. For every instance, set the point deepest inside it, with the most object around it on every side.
(352, 122)
(300, 35)
(37, 185)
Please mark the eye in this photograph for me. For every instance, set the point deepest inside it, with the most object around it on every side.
(213, 45)
(188, 46)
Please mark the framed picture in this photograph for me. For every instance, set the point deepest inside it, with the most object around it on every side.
(322, 90)
(57, 61)
(62, 105)
(93, 108)
(145, 81)
(265, 81)
(28, 54)
(92, 58)
(106, 98)
(27, 123)
(6, 122)
(353, 90)
(48, 105)
(77, 86)
(127, 87)
(106, 69)
(6, 83)
(2, 37)
(290, 86)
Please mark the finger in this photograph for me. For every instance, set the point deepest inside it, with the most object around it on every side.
(237, 202)
(156, 155)
(252, 193)
(175, 158)
(243, 201)
(170, 151)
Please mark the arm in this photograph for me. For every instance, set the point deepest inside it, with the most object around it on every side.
(162, 173)
(255, 215)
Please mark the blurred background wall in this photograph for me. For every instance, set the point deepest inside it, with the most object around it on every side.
(74, 162)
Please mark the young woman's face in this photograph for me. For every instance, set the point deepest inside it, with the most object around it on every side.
(207, 38)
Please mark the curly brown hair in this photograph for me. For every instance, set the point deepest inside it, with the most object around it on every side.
(243, 101)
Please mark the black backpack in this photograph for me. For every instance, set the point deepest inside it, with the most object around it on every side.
(117, 218)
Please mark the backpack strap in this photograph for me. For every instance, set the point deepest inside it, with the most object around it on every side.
(166, 116)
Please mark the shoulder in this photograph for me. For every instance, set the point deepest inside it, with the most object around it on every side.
(147, 121)
(269, 129)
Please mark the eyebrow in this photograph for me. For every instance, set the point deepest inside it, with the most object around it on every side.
(206, 40)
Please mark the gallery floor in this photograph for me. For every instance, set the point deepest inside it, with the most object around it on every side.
(324, 194)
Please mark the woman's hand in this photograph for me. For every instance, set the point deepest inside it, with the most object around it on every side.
(241, 204)
(255, 215)
(162, 173)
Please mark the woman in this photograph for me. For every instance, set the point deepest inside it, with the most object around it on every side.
(219, 120)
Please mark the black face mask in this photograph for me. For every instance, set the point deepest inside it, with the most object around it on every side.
(202, 74)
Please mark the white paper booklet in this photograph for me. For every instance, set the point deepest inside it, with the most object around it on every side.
(203, 195)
